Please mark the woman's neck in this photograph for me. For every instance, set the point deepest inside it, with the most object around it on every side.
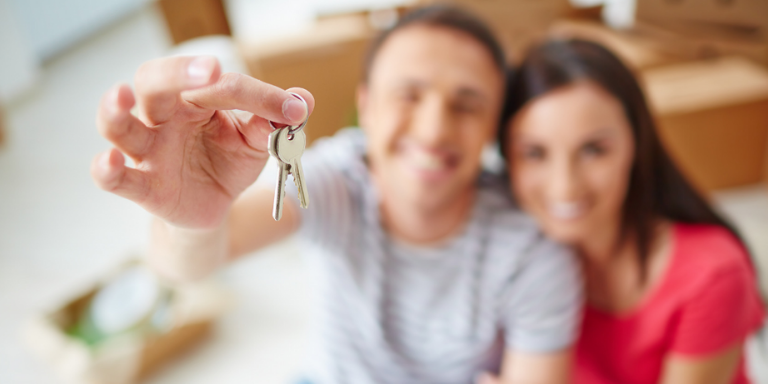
(602, 249)
(617, 279)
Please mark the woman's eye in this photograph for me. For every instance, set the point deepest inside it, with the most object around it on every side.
(593, 150)
(533, 153)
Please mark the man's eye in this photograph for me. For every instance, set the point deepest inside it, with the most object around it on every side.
(409, 96)
(464, 108)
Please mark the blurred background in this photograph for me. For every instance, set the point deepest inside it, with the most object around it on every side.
(703, 63)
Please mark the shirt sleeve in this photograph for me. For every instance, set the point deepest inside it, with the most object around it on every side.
(727, 309)
(542, 307)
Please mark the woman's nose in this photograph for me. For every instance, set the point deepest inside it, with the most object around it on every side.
(564, 181)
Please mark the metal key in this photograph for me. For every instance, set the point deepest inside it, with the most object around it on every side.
(286, 145)
(289, 148)
(282, 174)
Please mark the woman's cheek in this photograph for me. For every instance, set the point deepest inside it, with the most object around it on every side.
(528, 187)
(610, 186)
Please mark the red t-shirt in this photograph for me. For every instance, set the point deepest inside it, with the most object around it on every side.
(706, 300)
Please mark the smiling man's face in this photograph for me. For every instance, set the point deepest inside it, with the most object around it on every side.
(431, 103)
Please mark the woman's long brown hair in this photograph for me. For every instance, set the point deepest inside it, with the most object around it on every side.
(657, 189)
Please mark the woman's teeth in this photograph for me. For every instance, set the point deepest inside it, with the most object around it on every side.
(566, 211)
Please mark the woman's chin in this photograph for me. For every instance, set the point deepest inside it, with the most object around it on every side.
(568, 234)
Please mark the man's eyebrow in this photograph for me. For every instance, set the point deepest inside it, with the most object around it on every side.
(471, 93)
(412, 83)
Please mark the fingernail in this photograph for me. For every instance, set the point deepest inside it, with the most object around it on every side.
(294, 110)
(200, 69)
(110, 102)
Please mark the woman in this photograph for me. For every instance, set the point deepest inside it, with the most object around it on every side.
(671, 291)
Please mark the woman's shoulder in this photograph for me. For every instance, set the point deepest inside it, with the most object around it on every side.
(710, 250)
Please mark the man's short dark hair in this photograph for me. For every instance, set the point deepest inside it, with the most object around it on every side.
(442, 15)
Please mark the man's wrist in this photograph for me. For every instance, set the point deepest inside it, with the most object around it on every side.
(184, 254)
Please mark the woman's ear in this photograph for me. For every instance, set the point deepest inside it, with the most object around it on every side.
(362, 105)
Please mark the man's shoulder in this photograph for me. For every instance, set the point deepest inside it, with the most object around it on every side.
(347, 144)
(495, 197)
(338, 157)
(514, 234)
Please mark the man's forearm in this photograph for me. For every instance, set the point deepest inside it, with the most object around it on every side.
(180, 254)
(183, 255)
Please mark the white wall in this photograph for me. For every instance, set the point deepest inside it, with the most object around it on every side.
(32, 31)
(51, 26)
(18, 64)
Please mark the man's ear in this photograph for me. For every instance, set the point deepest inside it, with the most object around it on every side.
(362, 105)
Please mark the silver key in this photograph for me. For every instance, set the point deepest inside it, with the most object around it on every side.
(289, 148)
(286, 145)
(282, 174)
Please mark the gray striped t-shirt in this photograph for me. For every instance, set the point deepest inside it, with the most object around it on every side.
(390, 312)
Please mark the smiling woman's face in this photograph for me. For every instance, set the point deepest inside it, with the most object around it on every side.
(571, 154)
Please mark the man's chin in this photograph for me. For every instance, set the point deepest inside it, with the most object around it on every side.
(433, 178)
(431, 198)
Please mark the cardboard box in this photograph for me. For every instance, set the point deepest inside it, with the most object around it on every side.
(693, 45)
(327, 60)
(635, 51)
(749, 14)
(187, 19)
(713, 118)
(517, 23)
(122, 359)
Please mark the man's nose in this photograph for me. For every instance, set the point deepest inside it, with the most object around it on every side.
(432, 123)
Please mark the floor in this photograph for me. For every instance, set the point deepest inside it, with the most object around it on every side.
(58, 231)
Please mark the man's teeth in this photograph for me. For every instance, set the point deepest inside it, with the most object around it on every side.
(427, 161)
(566, 210)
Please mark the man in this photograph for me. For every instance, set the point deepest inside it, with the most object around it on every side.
(426, 273)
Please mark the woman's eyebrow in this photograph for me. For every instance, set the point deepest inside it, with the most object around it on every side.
(603, 133)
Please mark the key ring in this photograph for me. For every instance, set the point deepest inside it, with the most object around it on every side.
(295, 128)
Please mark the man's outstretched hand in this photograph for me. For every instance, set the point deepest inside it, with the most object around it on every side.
(200, 138)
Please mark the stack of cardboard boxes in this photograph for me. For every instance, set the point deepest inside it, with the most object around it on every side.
(636, 51)
(713, 117)
(713, 108)
(706, 28)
